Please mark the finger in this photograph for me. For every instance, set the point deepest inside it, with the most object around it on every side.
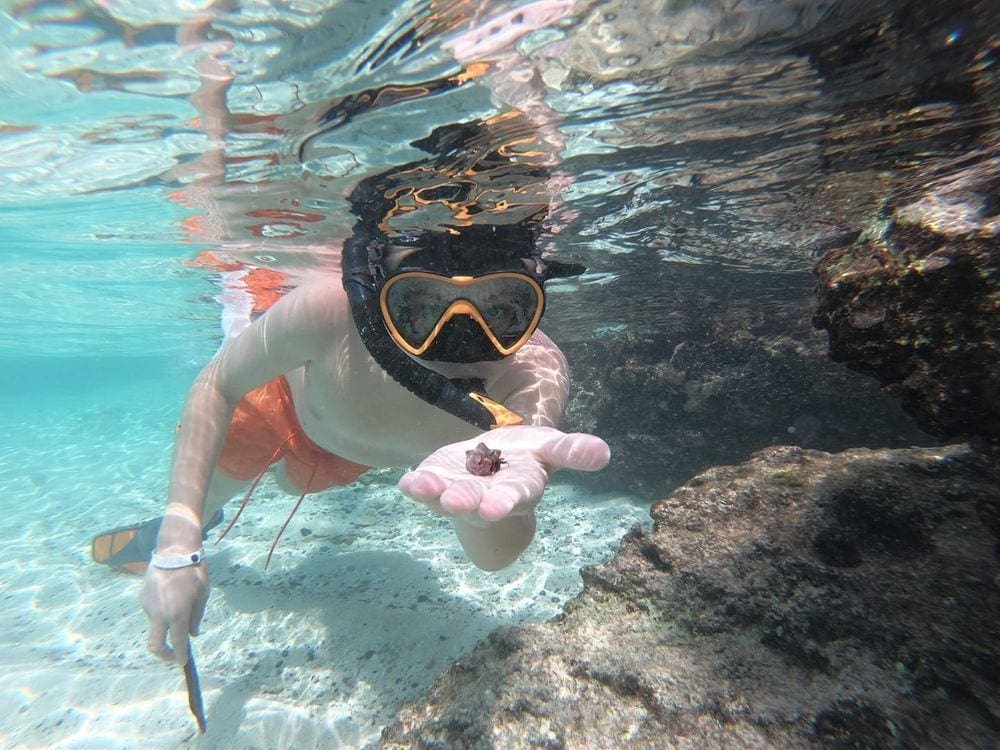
(425, 486)
(498, 501)
(179, 630)
(462, 496)
(198, 613)
(157, 641)
(577, 450)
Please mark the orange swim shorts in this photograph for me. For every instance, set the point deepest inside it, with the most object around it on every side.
(264, 430)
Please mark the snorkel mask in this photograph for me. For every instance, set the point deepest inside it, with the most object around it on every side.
(461, 318)
(458, 298)
(438, 296)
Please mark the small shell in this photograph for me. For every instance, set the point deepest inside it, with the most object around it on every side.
(482, 461)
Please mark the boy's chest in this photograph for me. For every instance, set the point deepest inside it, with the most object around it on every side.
(355, 410)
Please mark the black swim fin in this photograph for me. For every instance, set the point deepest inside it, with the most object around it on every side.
(129, 548)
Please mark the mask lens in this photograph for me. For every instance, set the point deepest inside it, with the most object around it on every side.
(508, 303)
(415, 305)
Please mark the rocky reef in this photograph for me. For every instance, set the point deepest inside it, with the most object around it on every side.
(801, 599)
(918, 305)
(912, 162)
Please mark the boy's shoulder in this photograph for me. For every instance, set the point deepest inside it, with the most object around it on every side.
(310, 317)
(316, 296)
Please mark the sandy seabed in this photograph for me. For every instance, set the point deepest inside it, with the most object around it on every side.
(368, 596)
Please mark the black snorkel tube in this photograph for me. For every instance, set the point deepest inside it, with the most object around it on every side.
(459, 398)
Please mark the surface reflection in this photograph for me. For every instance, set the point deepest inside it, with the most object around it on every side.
(751, 135)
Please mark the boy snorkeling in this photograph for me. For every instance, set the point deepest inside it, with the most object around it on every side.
(425, 346)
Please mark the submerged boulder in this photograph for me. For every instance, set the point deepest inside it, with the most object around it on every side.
(801, 599)
(918, 306)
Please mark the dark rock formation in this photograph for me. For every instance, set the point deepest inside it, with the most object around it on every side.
(910, 158)
(919, 307)
(801, 599)
(733, 368)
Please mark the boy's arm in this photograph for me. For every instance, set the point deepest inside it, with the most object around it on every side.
(291, 333)
(287, 336)
(537, 384)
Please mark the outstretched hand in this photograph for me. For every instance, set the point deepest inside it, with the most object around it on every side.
(530, 455)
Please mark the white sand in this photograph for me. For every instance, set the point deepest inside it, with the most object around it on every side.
(367, 598)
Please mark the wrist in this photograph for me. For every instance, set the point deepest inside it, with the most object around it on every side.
(178, 535)
(168, 561)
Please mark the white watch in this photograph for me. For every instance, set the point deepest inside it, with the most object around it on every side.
(170, 562)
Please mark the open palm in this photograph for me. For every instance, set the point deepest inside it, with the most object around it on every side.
(530, 455)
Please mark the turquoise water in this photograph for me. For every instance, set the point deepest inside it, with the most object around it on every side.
(688, 141)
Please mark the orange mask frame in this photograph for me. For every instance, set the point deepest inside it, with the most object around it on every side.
(461, 306)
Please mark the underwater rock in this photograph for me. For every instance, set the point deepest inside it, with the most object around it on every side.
(730, 373)
(801, 599)
(915, 301)
(918, 307)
